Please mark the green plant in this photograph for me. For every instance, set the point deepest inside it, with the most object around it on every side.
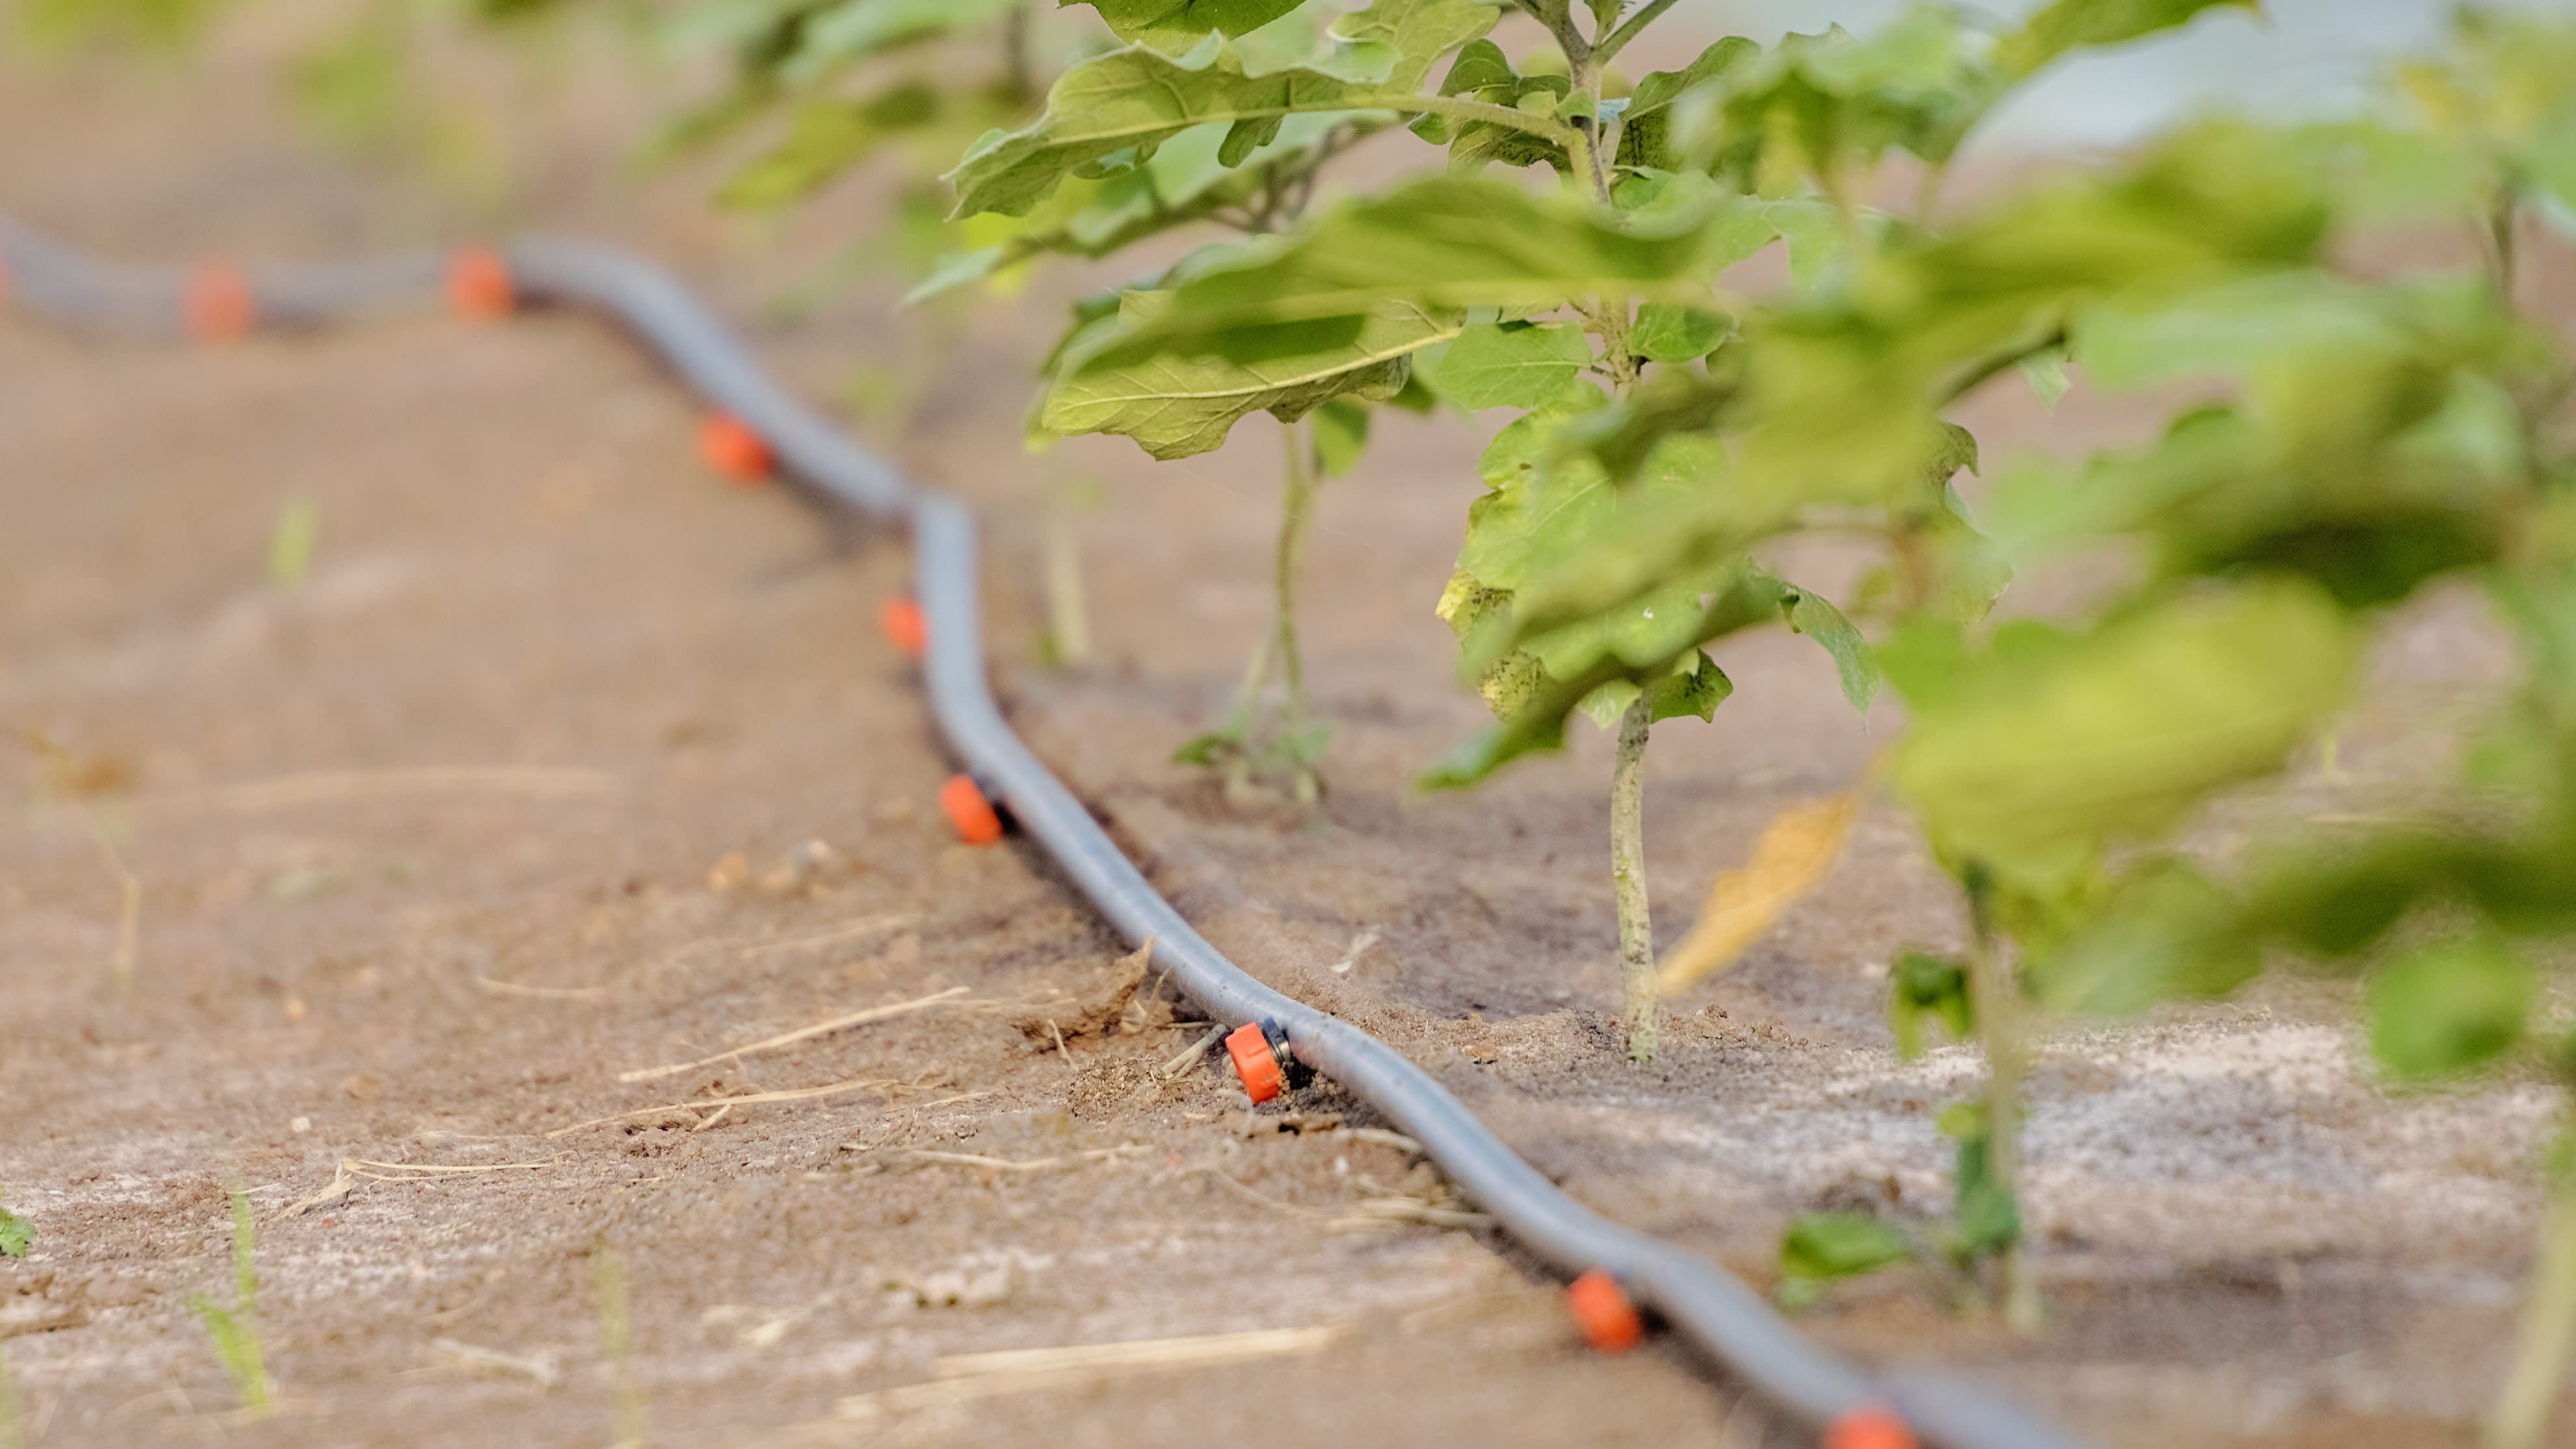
(166, 26)
(17, 1234)
(13, 1419)
(2376, 437)
(291, 544)
(235, 1330)
(1227, 116)
(835, 83)
(617, 1341)
(1665, 429)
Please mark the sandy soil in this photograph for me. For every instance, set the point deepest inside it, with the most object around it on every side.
(435, 845)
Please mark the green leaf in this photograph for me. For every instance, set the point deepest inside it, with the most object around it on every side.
(1341, 434)
(1816, 105)
(2070, 24)
(1112, 112)
(1921, 988)
(959, 269)
(2374, 443)
(16, 1234)
(1695, 690)
(1646, 138)
(1185, 181)
(856, 29)
(1819, 1247)
(1176, 407)
(1438, 242)
(2167, 932)
(1985, 1219)
(1839, 399)
(1669, 401)
(1176, 25)
(2045, 371)
(291, 545)
(1810, 225)
(2049, 746)
(2238, 329)
(1483, 74)
(825, 141)
(2450, 1008)
(1511, 365)
(1814, 615)
(1534, 702)
(1672, 332)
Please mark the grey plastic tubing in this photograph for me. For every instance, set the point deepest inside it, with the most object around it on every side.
(1719, 1316)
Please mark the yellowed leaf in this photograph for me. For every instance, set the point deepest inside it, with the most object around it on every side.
(1796, 849)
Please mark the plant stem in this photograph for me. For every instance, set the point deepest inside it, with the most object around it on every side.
(1247, 696)
(1296, 507)
(1641, 1010)
(2500, 227)
(13, 1428)
(1997, 1009)
(1558, 17)
(1628, 30)
(2548, 1332)
(254, 1365)
(1467, 110)
(1067, 618)
(1017, 72)
(617, 1339)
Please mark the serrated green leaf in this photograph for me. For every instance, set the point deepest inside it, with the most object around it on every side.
(17, 1235)
(1646, 127)
(1511, 684)
(1491, 366)
(2054, 745)
(2450, 1008)
(1695, 690)
(1479, 71)
(1184, 182)
(1176, 407)
(1675, 332)
(1540, 701)
(1115, 110)
(1438, 242)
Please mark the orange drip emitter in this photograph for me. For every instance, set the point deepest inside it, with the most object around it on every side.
(479, 286)
(218, 303)
(729, 446)
(904, 626)
(967, 808)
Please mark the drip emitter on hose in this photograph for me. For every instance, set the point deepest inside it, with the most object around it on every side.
(1262, 1059)
(969, 806)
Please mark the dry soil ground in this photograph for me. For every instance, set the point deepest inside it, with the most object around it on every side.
(501, 801)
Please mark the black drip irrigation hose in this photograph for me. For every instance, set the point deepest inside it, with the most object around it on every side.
(1719, 1316)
